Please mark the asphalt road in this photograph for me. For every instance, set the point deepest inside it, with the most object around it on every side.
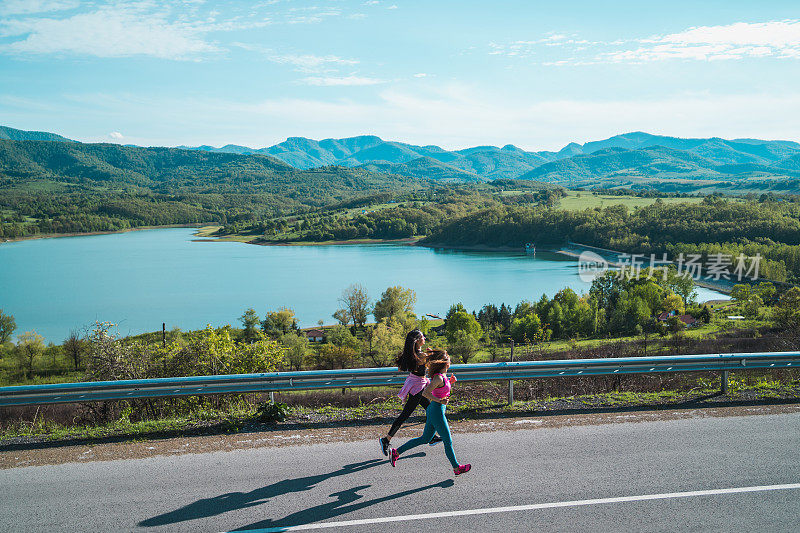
(274, 488)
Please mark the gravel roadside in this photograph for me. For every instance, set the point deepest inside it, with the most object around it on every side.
(22, 452)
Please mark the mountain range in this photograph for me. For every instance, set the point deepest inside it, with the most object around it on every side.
(634, 159)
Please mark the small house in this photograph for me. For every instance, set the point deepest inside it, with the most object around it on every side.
(315, 335)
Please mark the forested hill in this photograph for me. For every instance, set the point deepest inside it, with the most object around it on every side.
(652, 167)
(768, 228)
(631, 160)
(14, 134)
(76, 187)
(171, 170)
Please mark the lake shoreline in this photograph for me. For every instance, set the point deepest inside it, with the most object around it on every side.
(413, 241)
(95, 233)
(409, 242)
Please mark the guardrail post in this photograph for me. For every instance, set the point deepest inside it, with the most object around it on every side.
(271, 396)
(724, 379)
(511, 381)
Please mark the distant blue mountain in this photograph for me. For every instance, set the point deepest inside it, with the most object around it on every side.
(491, 162)
(719, 150)
(370, 151)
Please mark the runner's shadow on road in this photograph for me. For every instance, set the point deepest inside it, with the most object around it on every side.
(232, 501)
(345, 503)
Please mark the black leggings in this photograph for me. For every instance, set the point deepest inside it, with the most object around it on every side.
(411, 403)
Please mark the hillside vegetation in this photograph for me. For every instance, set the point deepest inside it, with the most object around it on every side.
(57, 187)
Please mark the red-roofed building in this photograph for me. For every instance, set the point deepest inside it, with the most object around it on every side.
(315, 335)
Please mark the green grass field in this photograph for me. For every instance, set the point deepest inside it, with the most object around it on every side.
(578, 200)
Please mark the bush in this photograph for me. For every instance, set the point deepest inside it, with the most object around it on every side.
(270, 413)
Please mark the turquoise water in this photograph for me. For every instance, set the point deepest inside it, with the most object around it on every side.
(140, 279)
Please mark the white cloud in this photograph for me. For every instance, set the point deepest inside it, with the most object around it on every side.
(528, 48)
(25, 7)
(420, 75)
(117, 136)
(332, 81)
(779, 39)
(111, 31)
(776, 39)
(311, 62)
(310, 14)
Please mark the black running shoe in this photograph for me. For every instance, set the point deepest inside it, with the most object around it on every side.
(384, 446)
(435, 440)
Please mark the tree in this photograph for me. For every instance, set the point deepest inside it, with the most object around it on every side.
(388, 337)
(740, 293)
(680, 284)
(279, 322)
(463, 345)
(630, 315)
(340, 336)
(395, 302)
(331, 356)
(297, 349)
(488, 316)
(424, 325)
(673, 302)
(606, 290)
(30, 345)
(214, 351)
(7, 327)
(355, 301)
(524, 308)
(787, 314)
(250, 322)
(555, 320)
(504, 316)
(342, 316)
(455, 308)
(766, 291)
(752, 306)
(526, 329)
(73, 347)
(458, 325)
(649, 291)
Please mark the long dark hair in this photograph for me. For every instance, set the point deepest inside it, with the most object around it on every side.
(409, 360)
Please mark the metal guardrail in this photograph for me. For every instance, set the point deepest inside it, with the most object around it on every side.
(372, 377)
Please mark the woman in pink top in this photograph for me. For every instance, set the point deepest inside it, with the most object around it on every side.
(438, 392)
(412, 360)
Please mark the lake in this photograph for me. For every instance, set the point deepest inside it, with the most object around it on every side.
(140, 279)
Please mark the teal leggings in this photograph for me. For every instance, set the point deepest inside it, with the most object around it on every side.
(435, 423)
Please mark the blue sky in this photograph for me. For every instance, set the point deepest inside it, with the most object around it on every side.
(455, 74)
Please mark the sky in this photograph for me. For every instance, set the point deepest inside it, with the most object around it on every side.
(451, 73)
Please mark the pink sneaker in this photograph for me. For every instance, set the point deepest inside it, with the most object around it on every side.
(462, 469)
(393, 456)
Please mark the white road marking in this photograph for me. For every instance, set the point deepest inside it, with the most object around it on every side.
(531, 507)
